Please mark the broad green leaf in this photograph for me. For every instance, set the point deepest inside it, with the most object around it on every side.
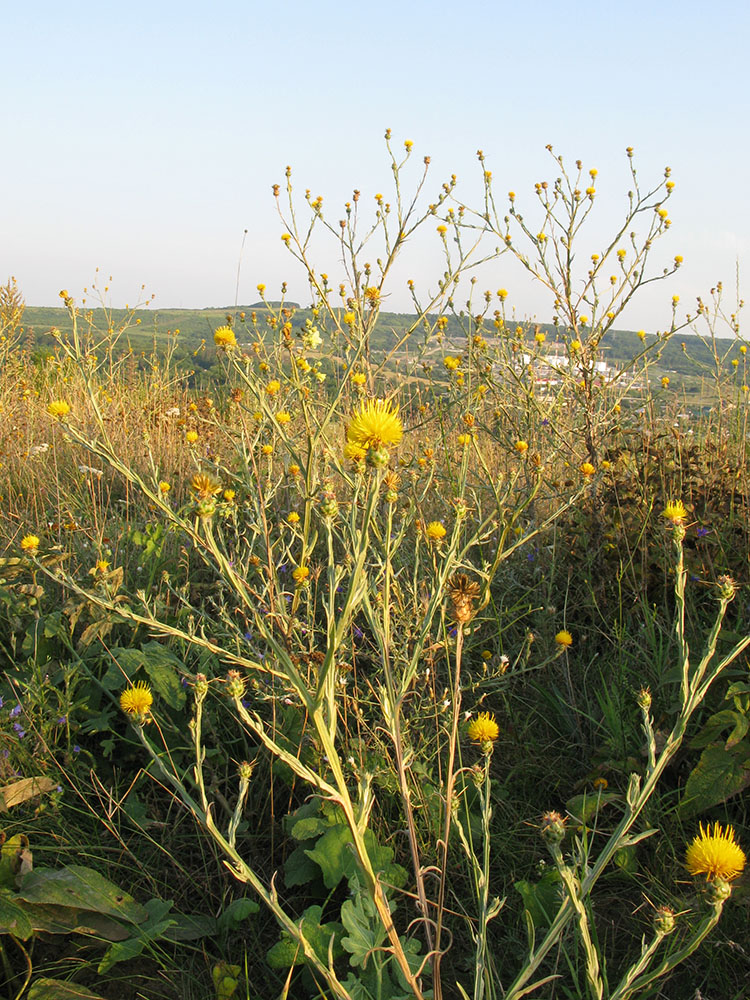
(68, 920)
(541, 899)
(365, 929)
(161, 665)
(334, 853)
(58, 989)
(156, 926)
(237, 912)
(286, 952)
(299, 869)
(626, 858)
(719, 723)
(82, 888)
(309, 827)
(13, 919)
(719, 775)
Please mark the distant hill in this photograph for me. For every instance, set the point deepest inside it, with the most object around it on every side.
(197, 325)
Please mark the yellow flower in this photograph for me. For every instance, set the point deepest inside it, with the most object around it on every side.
(464, 439)
(715, 854)
(164, 487)
(372, 296)
(575, 345)
(293, 517)
(273, 387)
(435, 531)
(451, 363)
(229, 495)
(300, 574)
(30, 544)
(349, 318)
(137, 700)
(204, 485)
(58, 408)
(354, 452)
(502, 294)
(294, 470)
(359, 378)
(483, 729)
(587, 469)
(675, 511)
(521, 447)
(540, 337)
(267, 449)
(376, 424)
(442, 230)
(191, 437)
(224, 337)
(283, 417)
(564, 638)
(665, 382)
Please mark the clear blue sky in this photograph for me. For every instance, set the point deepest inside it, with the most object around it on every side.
(143, 138)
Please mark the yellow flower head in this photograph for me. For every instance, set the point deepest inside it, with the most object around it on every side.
(587, 469)
(137, 700)
(191, 437)
(521, 447)
(283, 417)
(564, 638)
(372, 296)
(273, 387)
(301, 574)
(164, 487)
(204, 485)
(375, 425)
(675, 511)
(229, 495)
(30, 544)
(58, 408)
(293, 517)
(359, 378)
(483, 729)
(294, 470)
(451, 362)
(715, 854)
(435, 531)
(224, 337)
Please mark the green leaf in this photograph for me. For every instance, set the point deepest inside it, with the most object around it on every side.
(58, 989)
(82, 888)
(299, 869)
(13, 919)
(286, 952)
(309, 827)
(365, 929)
(154, 927)
(238, 911)
(541, 899)
(334, 854)
(719, 774)
(717, 724)
(51, 919)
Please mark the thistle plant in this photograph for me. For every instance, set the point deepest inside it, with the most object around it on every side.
(352, 580)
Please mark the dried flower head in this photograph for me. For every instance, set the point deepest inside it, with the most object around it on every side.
(462, 592)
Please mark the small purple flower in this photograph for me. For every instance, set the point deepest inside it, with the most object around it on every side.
(15, 712)
(248, 637)
(62, 720)
(1, 701)
(76, 748)
(19, 730)
(702, 532)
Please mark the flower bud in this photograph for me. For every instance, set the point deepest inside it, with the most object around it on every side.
(664, 922)
(553, 828)
(235, 684)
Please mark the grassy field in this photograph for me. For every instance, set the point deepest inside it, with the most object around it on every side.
(371, 666)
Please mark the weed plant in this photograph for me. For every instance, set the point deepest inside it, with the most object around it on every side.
(398, 642)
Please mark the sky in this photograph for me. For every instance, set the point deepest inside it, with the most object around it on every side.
(143, 139)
